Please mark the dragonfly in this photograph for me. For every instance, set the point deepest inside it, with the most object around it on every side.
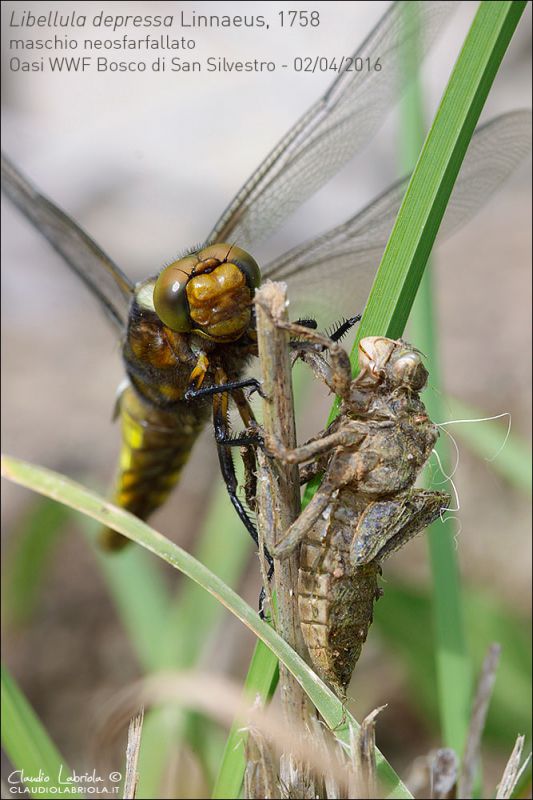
(187, 333)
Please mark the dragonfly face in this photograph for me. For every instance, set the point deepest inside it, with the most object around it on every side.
(208, 293)
(192, 325)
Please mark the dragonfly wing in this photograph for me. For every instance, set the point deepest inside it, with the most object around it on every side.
(330, 277)
(104, 279)
(333, 129)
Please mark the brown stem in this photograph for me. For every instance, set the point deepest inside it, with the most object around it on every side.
(278, 496)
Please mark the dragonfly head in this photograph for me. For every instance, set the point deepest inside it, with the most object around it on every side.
(208, 292)
(392, 362)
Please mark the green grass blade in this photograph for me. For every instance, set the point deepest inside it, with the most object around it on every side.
(454, 670)
(135, 584)
(28, 554)
(509, 456)
(141, 598)
(431, 184)
(171, 630)
(27, 744)
(453, 667)
(60, 488)
(148, 609)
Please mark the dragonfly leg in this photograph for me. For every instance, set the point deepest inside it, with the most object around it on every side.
(307, 323)
(323, 443)
(248, 453)
(338, 374)
(294, 535)
(230, 386)
(250, 476)
(221, 425)
(341, 329)
(250, 468)
(252, 436)
(244, 439)
(337, 331)
(200, 370)
(227, 467)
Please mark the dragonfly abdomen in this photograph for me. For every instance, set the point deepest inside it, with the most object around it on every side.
(335, 600)
(156, 444)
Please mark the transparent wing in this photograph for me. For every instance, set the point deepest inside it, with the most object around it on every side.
(331, 276)
(105, 280)
(333, 129)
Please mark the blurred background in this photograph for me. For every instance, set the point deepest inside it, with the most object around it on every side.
(146, 163)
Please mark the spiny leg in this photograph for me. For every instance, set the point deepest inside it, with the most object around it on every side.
(248, 450)
(227, 467)
(220, 424)
(250, 485)
(341, 329)
(226, 386)
(307, 323)
(337, 378)
(337, 330)
(250, 490)
(252, 435)
(247, 443)
(340, 376)
(314, 447)
(250, 478)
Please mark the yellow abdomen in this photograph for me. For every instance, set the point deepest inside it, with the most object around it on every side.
(156, 444)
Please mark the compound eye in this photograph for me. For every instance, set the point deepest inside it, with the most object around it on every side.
(247, 265)
(226, 253)
(170, 296)
(410, 370)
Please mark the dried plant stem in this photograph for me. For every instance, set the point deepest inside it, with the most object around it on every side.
(513, 771)
(132, 755)
(363, 749)
(283, 501)
(260, 776)
(443, 774)
(278, 495)
(477, 720)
